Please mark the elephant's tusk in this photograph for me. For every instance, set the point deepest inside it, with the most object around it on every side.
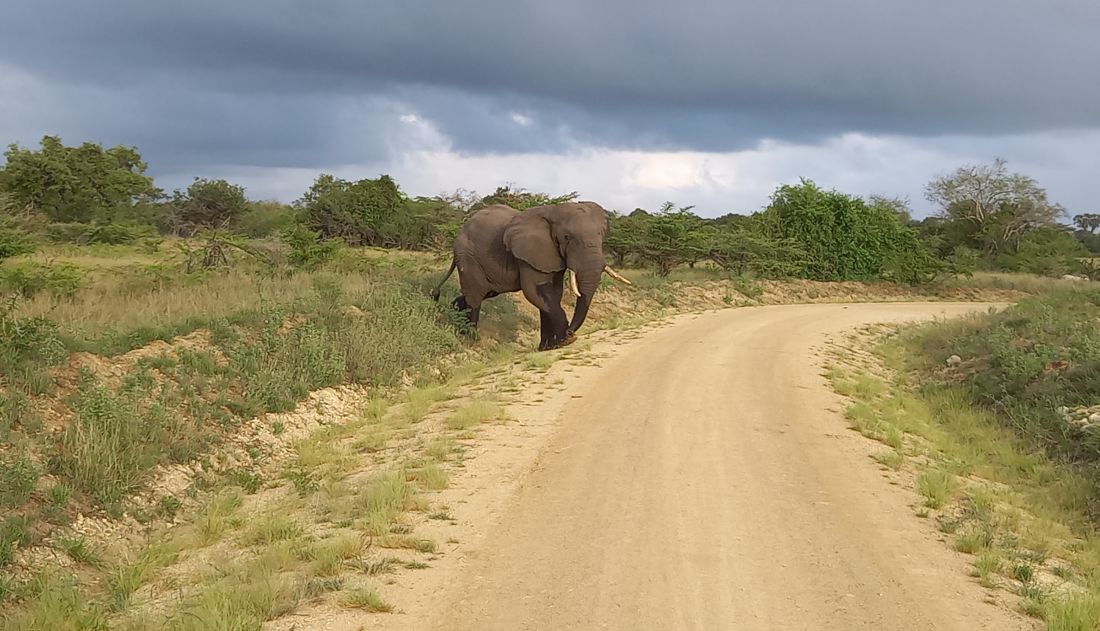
(573, 283)
(617, 276)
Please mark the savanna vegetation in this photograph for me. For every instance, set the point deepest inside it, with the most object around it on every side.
(143, 334)
(995, 418)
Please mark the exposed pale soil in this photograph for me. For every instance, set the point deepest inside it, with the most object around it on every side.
(699, 476)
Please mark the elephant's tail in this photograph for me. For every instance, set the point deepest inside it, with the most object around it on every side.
(435, 292)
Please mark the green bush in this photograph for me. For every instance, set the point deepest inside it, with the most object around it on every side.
(29, 279)
(265, 219)
(376, 213)
(88, 182)
(307, 250)
(207, 204)
(844, 237)
(963, 261)
(14, 240)
(1046, 252)
(354, 211)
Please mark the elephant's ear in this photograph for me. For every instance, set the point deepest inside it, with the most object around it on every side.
(528, 237)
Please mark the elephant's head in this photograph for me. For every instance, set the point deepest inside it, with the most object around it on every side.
(569, 235)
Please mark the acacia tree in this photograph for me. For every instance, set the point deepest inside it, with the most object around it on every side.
(626, 235)
(522, 199)
(997, 205)
(671, 237)
(1089, 222)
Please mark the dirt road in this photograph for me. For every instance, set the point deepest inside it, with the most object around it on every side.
(704, 478)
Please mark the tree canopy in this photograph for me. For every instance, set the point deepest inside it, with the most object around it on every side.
(76, 184)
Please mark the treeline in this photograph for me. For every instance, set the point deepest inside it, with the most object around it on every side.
(987, 218)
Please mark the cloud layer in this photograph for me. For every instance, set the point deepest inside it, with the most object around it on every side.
(709, 99)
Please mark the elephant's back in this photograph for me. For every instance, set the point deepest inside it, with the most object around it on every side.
(489, 222)
(483, 232)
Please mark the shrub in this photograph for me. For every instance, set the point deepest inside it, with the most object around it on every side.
(264, 219)
(844, 237)
(88, 182)
(14, 241)
(1046, 252)
(307, 250)
(207, 204)
(963, 261)
(354, 211)
(29, 279)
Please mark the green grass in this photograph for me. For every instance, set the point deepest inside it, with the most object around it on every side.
(1023, 363)
(58, 603)
(440, 448)
(419, 401)
(541, 361)
(430, 476)
(81, 551)
(15, 531)
(330, 555)
(1072, 613)
(270, 528)
(986, 567)
(892, 459)
(130, 574)
(244, 596)
(367, 599)
(218, 517)
(474, 414)
(18, 478)
(936, 487)
(375, 503)
(375, 410)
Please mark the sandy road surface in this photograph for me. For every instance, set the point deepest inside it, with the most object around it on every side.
(704, 479)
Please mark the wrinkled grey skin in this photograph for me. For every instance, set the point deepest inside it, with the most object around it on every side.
(500, 250)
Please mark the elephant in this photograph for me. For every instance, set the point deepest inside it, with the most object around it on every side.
(501, 250)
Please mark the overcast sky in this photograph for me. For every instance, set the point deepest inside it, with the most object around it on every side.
(628, 102)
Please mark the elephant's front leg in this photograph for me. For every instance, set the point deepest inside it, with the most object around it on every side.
(557, 323)
(544, 291)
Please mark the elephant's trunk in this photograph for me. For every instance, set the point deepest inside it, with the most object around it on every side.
(589, 272)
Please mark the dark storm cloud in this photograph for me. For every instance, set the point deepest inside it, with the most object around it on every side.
(289, 82)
